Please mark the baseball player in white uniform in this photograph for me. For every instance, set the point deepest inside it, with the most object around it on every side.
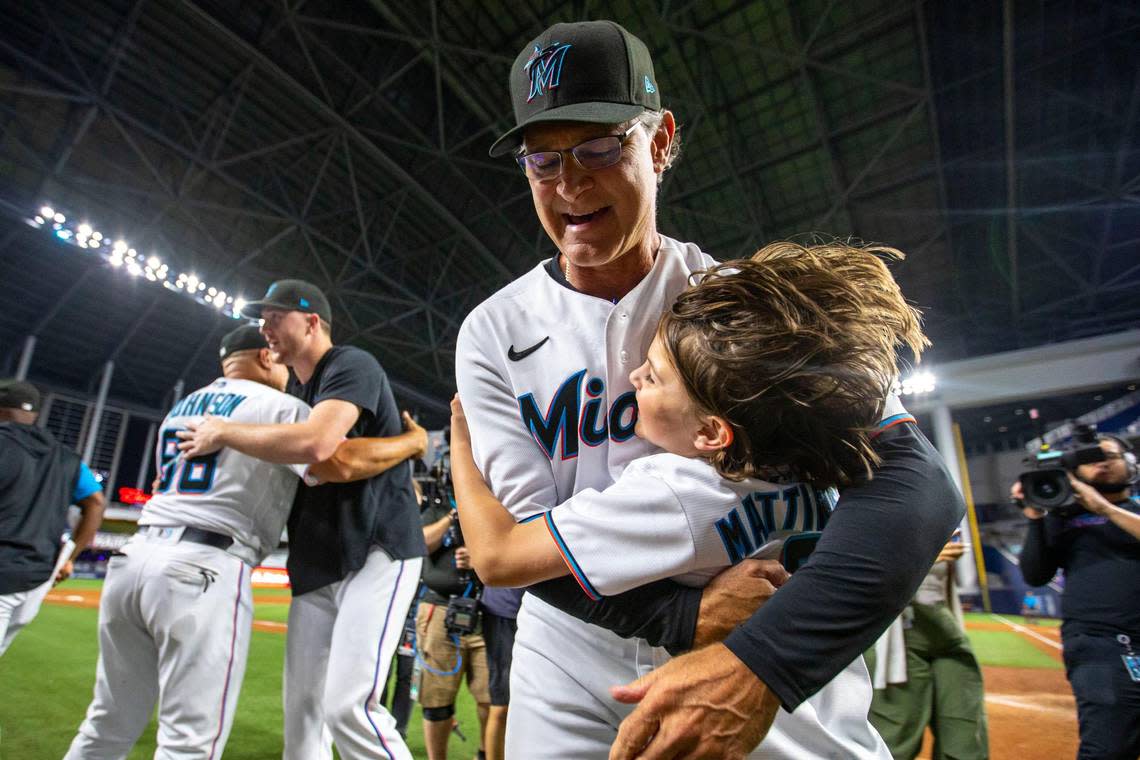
(177, 608)
(669, 514)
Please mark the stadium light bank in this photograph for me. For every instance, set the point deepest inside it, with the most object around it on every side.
(120, 255)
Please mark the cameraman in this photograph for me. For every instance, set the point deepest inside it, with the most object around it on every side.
(447, 573)
(1099, 549)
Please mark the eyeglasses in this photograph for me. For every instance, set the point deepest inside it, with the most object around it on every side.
(590, 155)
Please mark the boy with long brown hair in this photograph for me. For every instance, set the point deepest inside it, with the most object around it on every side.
(776, 371)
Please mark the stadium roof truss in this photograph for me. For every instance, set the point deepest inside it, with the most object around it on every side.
(345, 143)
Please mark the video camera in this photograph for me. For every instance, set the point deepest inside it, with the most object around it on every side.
(462, 616)
(1045, 483)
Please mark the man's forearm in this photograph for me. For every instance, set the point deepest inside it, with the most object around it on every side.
(90, 519)
(878, 545)
(296, 443)
(1129, 522)
(434, 533)
(362, 458)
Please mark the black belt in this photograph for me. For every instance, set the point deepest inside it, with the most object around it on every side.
(198, 536)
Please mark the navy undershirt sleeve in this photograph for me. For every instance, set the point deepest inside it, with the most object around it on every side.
(1038, 562)
(879, 544)
(663, 613)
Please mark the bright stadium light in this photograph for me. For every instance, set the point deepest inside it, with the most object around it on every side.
(85, 236)
(919, 382)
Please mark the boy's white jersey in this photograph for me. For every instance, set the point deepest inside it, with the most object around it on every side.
(669, 516)
(227, 491)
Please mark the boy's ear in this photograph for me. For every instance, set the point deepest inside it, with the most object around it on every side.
(713, 434)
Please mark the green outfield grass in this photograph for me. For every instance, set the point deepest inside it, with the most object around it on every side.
(1042, 622)
(48, 674)
(51, 666)
(1010, 650)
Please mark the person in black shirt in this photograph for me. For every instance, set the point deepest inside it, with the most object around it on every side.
(447, 658)
(39, 478)
(1099, 551)
(355, 549)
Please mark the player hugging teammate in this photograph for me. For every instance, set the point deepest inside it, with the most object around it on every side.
(770, 371)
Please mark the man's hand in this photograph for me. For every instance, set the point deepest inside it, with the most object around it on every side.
(950, 552)
(1089, 498)
(704, 704)
(202, 438)
(411, 426)
(1017, 494)
(733, 595)
(64, 572)
(462, 558)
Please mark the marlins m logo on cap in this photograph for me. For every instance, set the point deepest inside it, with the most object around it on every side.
(545, 68)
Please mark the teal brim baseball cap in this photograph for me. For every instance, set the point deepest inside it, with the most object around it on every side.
(291, 295)
(592, 71)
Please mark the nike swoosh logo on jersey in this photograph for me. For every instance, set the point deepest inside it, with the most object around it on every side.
(518, 356)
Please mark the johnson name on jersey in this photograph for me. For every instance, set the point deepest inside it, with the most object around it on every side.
(227, 491)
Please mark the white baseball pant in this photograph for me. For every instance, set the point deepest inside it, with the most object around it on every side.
(338, 649)
(174, 627)
(19, 609)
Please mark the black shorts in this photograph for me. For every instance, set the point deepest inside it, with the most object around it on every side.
(499, 638)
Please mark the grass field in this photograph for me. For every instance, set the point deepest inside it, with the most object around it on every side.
(47, 676)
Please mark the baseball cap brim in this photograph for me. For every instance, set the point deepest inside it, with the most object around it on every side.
(252, 310)
(587, 113)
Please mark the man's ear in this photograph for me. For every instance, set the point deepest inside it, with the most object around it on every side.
(714, 434)
(662, 140)
(264, 358)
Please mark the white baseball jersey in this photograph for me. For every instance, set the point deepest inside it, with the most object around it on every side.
(227, 492)
(543, 372)
(669, 516)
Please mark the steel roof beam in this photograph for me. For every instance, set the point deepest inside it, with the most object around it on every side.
(309, 233)
(394, 168)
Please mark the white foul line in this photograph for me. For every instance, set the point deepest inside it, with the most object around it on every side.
(1023, 629)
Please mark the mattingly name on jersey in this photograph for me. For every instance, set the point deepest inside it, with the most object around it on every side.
(791, 508)
(569, 420)
(204, 402)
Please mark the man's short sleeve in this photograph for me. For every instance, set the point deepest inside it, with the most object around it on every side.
(633, 533)
(287, 410)
(353, 376)
(85, 484)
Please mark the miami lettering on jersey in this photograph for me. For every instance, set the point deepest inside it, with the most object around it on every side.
(796, 507)
(206, 402)
(570, 422)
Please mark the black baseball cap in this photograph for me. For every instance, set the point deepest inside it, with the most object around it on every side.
(16, 394)
(590, 71)
(244, 338)
(291, 295)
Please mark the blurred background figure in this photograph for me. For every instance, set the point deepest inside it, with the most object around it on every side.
(1093, 534)
(449, 642)
(500, 613)
(925, 673)
(39, 479)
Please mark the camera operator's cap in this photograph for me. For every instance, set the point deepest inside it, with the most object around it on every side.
(590, 71)
(16, 394)
(291, 295)
(244, 338)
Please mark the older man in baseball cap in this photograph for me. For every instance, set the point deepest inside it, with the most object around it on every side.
(542, 368)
